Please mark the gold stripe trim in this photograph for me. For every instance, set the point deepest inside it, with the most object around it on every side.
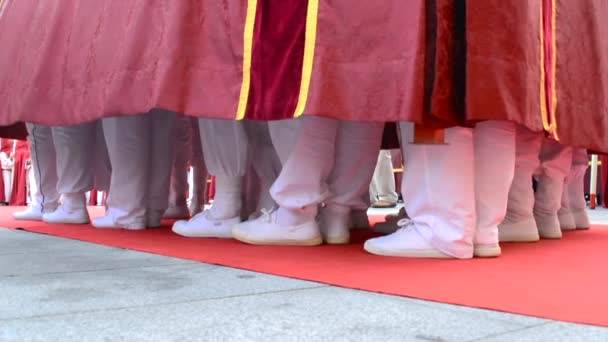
(543, 78)
(312, 16)
(252, 6)
(554, 69)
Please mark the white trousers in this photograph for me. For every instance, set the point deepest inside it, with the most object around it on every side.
(42, 151)
(7, 177)
(140, 152)
(494, 170)
(555, 165)
(226, 153)
(183, 154)
(324, 160)
(521, 194)
(438, 189)
(264, 160)
(75, 150)
(382, 187)
(574, 189)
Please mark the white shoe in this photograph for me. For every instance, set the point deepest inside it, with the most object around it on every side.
(108, 222)
(521, 231)
(566, 220)
(154, 218)
(405, 242)
(177, 213)
(204, 225)
(334, 225)
(390, 225)
(64, 216)
(33, 213)
(548, 226)
(359, 219)
(581, 219)
(267, 231)
(487, 250)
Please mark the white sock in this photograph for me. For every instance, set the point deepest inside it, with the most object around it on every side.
(227, 202)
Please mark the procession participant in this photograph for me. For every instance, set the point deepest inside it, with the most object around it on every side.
(76, 154)
(45, 198)
(225, 150)
(325, 161)
(573, 199)
(7, 161)
(140, 157)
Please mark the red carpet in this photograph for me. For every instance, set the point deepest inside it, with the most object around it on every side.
(563, 280)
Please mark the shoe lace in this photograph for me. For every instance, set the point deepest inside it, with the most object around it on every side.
(405, 224)
(267, 214)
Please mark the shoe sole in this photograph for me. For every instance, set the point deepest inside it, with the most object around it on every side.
(304, 243)
(204, 236)
(551, 235)
(424, 253)
(487, 252)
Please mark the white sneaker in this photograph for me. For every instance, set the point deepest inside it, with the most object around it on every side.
(177, 213)
(108, 221)
(390, 225)
(204, 225)
(581, 219)
(267, 231)
(154, 218)
(64, 216)
(405, 242)
(521, 231)
(33, 213)
(334, 225)
(359, 219)
(566, 220)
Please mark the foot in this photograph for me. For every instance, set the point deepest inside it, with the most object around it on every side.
(334, 225)
(566, 220)
(405, 242)
(581, 219)
(359, 219)
(267, 231)
(64, 215)
(177, 213)
(518, 231)
(204, 225)
(383, 204)
(548, 226)
(109, 221)
(33, 213)
(491, 250)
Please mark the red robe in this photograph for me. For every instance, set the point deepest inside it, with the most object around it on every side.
(433, 62)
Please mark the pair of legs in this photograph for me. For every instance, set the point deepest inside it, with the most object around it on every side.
(63, 159)
(229, 149)
(325, 162)
(533, 215)
(382, 187)
(455, 193)
(188, 150)
(140, 158)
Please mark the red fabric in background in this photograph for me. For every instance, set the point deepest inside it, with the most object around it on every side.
(604, 175)
(277, 58)
(19, 194)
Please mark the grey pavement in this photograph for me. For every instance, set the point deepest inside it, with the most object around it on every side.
(53, 289)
